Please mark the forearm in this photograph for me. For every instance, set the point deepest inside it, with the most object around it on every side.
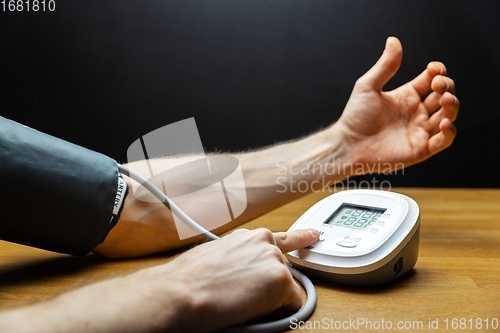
(141, 302)
(272, 176)
(280, 174)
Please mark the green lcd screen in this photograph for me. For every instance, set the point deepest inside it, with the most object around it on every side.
(355, 217)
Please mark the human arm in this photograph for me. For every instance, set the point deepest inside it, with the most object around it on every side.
(220, 283)
(394, 129)
(404, 126)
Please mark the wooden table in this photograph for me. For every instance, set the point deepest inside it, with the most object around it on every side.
(455, 285)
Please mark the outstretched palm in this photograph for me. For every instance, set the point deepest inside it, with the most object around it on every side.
(403, 126)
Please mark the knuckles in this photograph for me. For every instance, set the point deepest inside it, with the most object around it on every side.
(281, 276)
(266, 235)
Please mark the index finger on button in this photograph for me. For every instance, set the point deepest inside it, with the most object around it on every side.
(297, 239)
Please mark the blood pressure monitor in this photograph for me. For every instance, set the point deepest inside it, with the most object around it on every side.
(367, 237)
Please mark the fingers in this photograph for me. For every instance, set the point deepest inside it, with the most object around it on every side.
(439, 85)
(292, 300)
(441, 127)
(297, 239)
(444, 138)
(423, 82)
(385, 68)
(449, 106)
(279, 278)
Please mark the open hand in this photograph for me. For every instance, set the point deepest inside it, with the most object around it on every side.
(400, 127)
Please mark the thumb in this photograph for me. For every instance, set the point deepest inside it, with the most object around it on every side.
(297, 239)
(385, 68)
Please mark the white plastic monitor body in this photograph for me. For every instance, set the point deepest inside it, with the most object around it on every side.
(368, 237)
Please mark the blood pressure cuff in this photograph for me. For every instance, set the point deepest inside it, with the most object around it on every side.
(56, 195)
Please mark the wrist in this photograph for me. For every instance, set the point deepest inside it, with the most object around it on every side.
(299, 167)
(334, 162)
(343, 159)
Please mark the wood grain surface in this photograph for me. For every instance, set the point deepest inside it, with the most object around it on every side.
(454, 287)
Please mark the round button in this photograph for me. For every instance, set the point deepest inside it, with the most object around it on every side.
(347, 244)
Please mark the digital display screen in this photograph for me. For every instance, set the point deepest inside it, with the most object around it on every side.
(355, 217)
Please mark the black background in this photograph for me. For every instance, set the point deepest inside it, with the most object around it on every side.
(102, 73)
